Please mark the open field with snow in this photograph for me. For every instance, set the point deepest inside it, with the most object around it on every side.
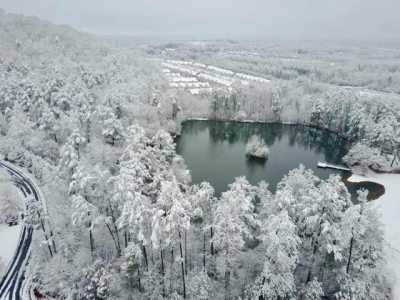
(389, 207)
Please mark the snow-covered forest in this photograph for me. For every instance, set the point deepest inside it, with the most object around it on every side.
(94, 123)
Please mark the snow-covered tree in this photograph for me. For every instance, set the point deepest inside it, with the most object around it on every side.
(96, 283)
(364, 259)
(112, 130)
(132, 265)
(364, 157)
(49, 122)
(70, 153)
(85, 214)
(202, 201)
(199, 286)
(277, 279)
(234, 220)
(311, 291)
(137, 210)
(317, 114)
(256, 147)
(172, 221)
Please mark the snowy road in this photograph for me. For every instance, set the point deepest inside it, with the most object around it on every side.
(13, 283)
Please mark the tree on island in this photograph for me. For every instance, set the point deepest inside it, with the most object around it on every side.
(256, 147)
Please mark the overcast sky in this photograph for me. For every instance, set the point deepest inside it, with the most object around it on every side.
(286, 19)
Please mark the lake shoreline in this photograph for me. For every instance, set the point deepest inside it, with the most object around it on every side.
(372, 195)
(221, 147)
(266, 122)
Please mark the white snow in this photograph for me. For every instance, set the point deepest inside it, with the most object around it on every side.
(200, 78)
(256, 147)
(184, 79)
(9, 237)
(199, 91)
(389, 206)
(252, 78)
(220, 70)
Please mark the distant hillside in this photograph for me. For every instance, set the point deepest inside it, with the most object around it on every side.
(29, 37)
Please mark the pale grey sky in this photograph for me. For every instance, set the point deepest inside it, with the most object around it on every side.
(286, 19)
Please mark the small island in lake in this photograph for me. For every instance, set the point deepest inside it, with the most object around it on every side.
(256, 148)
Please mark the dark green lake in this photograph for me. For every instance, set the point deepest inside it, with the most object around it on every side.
(214, 151)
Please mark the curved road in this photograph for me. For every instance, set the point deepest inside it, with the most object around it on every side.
(13, 283)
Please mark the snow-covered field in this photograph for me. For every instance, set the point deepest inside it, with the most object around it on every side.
(199, 78)
(9, 239)
(389, 206)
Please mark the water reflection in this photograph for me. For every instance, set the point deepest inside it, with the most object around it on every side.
(215, 151)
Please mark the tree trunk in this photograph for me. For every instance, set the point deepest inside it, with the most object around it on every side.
(52, 241)
(186, 253)
(171, 270)
(45, 234)
(116, 239)
(88, 131)
(162, 270)
(204, 251)
(113, 237)
(352, 240)
(117, 236)
(212, 243)
(227, 283)
(395, 154)
(145, 257)
(182, 267)
(162, 261)
(350, 253)
(91, 242)
(315, 248)
(261, 297)
(152, 254)
(322, 269)
(126, 239)
(310, 268)
(140, 286)
(315, 243)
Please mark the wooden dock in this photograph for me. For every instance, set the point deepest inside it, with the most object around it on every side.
(325, 165)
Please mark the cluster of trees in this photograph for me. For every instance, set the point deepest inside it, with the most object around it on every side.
(54, 80)
(372, 125)
(146, 232)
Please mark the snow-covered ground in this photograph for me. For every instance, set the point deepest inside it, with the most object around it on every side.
(9, 237)
(199, 78)
(389, 206)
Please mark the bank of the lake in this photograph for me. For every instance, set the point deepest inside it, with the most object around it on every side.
(389, 206)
